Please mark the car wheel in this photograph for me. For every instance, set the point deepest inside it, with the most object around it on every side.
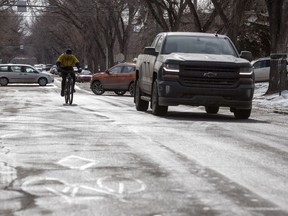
(42, 81)
(97, 88)
(120, 92)
(4, 81)
(242, 113)
(211, 109)
(140, 104)
(131, 88)
(156, 108)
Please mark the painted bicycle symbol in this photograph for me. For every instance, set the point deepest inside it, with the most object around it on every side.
(114, 186)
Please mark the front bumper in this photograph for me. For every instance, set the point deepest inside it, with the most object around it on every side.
(240, 95)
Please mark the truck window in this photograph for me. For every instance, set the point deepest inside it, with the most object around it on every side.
(198, 44)
(155, 41)
(159, 43)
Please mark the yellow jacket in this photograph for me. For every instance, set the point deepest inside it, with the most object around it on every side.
(67, 60)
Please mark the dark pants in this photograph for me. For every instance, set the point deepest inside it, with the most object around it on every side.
(64, 73)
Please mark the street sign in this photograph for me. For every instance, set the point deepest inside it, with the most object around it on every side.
(21, 6)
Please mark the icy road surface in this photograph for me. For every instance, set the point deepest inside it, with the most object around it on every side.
(102, 157)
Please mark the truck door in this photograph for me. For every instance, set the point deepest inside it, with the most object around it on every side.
(150, 63)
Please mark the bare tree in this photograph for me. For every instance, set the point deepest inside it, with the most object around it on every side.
(167, 13)
(10, 34)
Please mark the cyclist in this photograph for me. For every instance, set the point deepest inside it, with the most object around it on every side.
(65, 63)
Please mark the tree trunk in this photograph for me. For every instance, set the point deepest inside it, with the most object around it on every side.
(278, 19)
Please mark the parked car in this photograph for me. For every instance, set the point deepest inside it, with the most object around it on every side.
(119, 78)
(47, 67)
(21, 73)
(39, 67)
(53, 70)
(262, 69)
(84, 76)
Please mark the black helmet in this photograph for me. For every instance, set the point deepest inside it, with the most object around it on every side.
(69, 51)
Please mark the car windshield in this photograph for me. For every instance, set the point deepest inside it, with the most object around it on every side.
(198, 44)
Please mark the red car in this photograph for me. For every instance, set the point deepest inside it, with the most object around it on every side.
(119, 78)
(84, 76)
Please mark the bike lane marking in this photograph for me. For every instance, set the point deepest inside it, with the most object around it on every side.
(121, 185)
(115, 186)
(76, 162)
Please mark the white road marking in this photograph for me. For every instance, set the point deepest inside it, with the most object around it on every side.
(76, 162)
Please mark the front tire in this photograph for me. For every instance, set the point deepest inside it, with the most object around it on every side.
(42, 81)
(242, 113)
(97, 88)
(156, 108)
(140, 104)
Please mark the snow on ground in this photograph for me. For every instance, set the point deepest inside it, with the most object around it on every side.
(274, 102)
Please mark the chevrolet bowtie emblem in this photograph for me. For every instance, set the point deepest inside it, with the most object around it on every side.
(210, 74)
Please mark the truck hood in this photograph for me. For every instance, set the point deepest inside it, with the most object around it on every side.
(204, 57)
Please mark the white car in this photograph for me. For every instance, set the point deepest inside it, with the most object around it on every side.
(22, 73)
(262, 69)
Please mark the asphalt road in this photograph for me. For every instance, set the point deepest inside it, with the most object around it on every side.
(102, 157)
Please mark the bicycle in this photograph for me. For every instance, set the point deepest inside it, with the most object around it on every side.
(68, 91)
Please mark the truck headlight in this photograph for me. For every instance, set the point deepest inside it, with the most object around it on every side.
(246, 71)
(171, 67)
(170, 71)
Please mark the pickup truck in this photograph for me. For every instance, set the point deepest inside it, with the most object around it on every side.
(197, 69)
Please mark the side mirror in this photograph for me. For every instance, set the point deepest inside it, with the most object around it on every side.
(107, 71)
(246, 55)
(150, 51)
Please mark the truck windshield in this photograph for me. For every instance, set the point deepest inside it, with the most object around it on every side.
(198, 44)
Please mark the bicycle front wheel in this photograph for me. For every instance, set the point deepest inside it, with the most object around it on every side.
(69, 92)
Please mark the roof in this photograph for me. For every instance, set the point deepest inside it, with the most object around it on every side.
(11, 64)
(194, 34)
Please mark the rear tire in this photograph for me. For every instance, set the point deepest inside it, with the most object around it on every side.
(156, 108)
(242, 113)
(131, 89)
(97, 88)
(120, 92)
(140, 104)
(211, 109)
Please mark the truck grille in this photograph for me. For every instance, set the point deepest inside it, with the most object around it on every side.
(212, 74)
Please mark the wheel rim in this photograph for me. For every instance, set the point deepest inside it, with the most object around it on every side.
(98, 88)
(42, 82)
